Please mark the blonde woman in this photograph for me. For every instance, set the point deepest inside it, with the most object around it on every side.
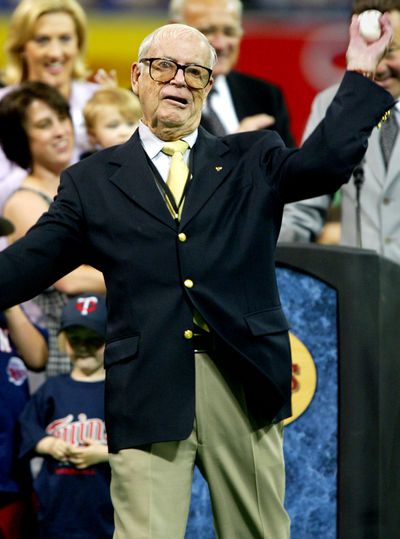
(47, 42)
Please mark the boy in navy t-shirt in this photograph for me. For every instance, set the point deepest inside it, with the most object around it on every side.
(64, 423)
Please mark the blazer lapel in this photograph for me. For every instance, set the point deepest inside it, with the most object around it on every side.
(135, 178)
(393, 168)
(374, 158)
(211, 165)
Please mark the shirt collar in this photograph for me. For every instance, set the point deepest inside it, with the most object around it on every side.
(153, 145)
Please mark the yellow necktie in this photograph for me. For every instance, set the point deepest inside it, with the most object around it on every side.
(178, 173)
(176, 181)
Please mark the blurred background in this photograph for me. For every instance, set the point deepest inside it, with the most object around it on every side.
(297, 44)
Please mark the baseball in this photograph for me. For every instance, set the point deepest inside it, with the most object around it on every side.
(370, 29)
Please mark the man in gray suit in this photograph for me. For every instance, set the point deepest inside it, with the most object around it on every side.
(379, 195)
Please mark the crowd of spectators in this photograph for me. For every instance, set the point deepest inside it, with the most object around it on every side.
(51, 116)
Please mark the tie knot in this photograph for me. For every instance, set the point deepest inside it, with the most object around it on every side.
(176, 146)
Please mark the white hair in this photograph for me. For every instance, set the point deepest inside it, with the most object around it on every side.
(179, 32)
(176, 9)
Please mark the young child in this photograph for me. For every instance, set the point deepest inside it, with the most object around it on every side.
(22, 345)
(111, 116)
(64, 423)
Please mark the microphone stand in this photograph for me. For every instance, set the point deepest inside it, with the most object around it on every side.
(358, 178)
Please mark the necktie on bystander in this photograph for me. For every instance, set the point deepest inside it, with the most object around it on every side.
(211, 120)
(388, 134)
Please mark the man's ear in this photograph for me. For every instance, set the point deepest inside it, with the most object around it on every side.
(135, 74)
(209, 86)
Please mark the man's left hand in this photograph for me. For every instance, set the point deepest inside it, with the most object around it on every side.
(364, 56)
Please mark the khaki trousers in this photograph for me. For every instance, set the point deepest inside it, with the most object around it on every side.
(244, 469)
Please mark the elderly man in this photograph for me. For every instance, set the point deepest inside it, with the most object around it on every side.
(184, 226)
(238, 102)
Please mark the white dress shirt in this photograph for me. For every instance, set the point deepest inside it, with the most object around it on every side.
(152, 145)
(222, 104)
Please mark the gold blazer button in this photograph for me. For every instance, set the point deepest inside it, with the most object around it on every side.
(182, 237)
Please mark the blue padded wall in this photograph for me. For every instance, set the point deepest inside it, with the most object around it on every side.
(310, 441)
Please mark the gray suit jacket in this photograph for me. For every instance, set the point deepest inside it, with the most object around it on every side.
(379, 200)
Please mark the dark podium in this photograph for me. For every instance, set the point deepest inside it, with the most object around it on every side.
(365, 428)
(342, 449)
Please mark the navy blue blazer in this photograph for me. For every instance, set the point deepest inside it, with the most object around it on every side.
(109, 213)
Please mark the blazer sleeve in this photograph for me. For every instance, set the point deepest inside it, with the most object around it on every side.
(328, 156)
(303, 221)
(53, 247)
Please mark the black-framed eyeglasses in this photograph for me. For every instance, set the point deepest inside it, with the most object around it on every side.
(164, 70)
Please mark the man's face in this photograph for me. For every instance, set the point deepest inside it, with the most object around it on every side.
(220, 22)
(388, 71)
(172, 109)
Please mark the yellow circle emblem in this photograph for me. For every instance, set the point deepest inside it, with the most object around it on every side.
(304, 378)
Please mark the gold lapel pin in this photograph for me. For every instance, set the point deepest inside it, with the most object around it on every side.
(218, 169)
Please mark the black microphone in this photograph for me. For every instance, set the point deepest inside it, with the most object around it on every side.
(358, 178)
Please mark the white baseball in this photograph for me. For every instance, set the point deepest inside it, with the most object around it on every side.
(370, 29)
